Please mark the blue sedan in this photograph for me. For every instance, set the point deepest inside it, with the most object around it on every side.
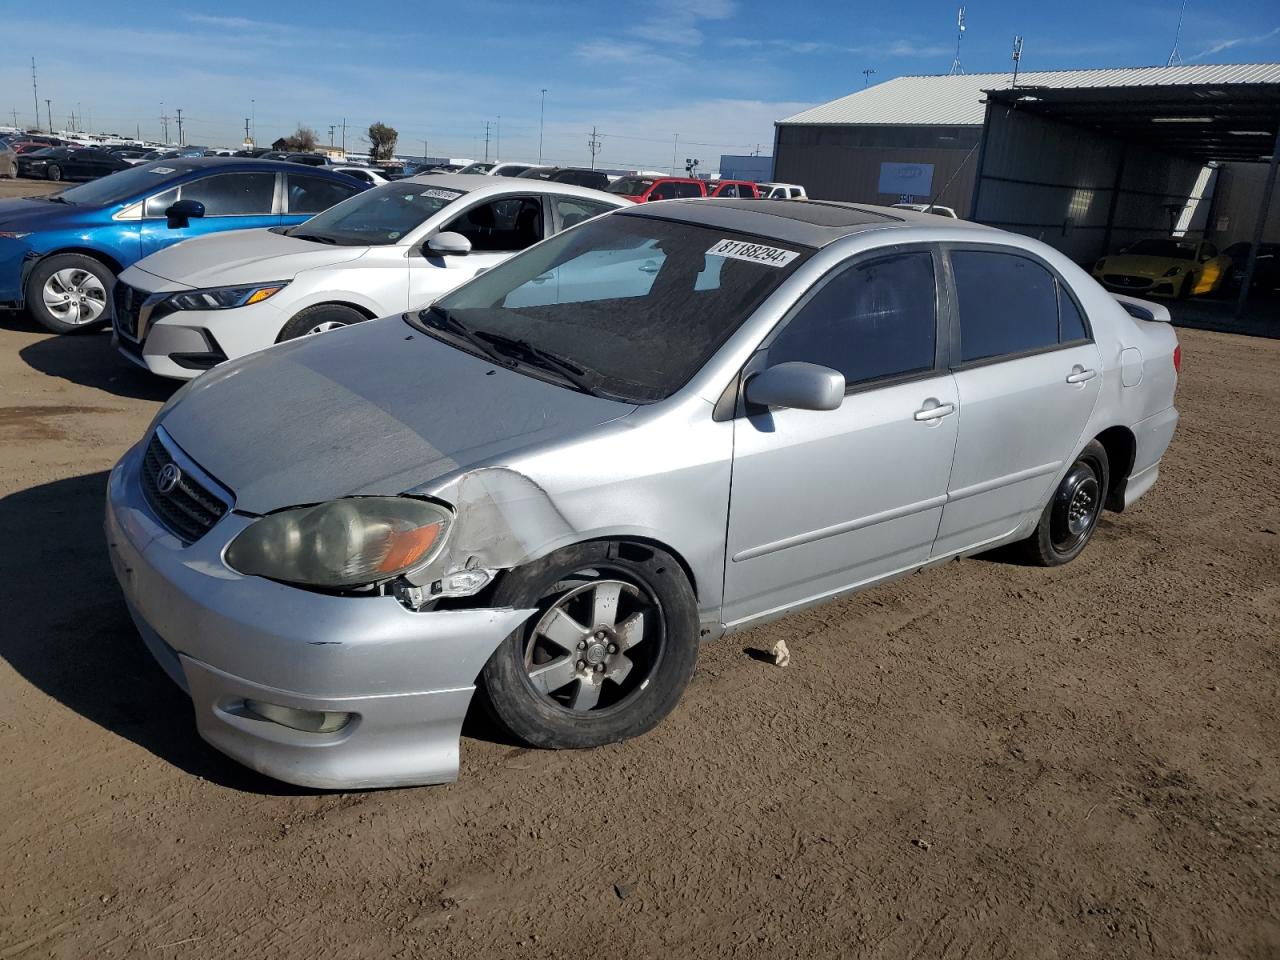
(60, 254)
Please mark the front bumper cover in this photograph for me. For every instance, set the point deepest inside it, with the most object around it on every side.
(407, 677)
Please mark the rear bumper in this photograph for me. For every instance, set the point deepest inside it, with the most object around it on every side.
(406, 678)
(1153, 436)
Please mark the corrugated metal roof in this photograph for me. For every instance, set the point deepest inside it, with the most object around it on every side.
(957, 100)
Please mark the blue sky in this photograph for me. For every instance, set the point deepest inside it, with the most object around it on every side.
(715, 72)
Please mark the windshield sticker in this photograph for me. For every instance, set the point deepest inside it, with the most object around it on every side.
(162, 170)
(752, 253)
(436, 193)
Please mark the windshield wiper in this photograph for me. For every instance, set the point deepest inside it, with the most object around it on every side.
(588, 381)
(315, 237)
(442, 318)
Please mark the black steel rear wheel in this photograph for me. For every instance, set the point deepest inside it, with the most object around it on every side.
(1071, 515)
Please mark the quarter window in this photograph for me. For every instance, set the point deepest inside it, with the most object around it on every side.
(1070, 323)
(309, 194)
(1008, 304)
(874, 320)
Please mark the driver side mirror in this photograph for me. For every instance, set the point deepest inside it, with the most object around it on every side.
(798, 385)
(182, 212)
(448, 244)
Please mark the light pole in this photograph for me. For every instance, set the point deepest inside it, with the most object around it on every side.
(542, 116)
(48, 109)
(253, 119)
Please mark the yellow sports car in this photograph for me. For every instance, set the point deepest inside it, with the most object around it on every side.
(1161, 267)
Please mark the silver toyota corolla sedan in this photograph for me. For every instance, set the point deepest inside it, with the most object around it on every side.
(554, 483)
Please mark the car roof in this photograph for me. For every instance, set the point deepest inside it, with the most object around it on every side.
(813, 223)
(185, 165)
(478, 182)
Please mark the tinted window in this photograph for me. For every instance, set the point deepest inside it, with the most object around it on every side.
(639, 302)
(231, 194)
(630, 186)
(677, 191)
(511, 223)
(1070, 323)
(1008, 304)
(574, 210)
(309, 194)
(874, 320)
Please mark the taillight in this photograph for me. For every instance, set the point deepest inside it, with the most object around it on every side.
(1177, 359)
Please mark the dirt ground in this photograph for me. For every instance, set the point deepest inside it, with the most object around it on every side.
(985, 760)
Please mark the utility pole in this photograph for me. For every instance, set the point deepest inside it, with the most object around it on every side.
(425, 152)
(181, 142)
(344, 136)
(15, 116)
(164, 120)
(253, 119)
(246, 129)
(497, 149)
(866, 77)
(332, 126)
(35, 92)
(955, 64)
(594, 146)
(675, 149)
(542, 120)
(48, 112)
(486, 141)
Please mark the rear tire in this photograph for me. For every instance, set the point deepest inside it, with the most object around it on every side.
(53, 172)
(319, 319)
(69, 292)
(607, 655)
(1071, 515)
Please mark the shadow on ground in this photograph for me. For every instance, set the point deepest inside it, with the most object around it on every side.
(67, 632)
(88, 359)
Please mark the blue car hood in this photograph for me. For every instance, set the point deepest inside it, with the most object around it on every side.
(376, 409)
(22, 213)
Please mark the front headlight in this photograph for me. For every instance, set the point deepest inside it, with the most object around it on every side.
(224, 298)
(1173, 271)
(343, 543)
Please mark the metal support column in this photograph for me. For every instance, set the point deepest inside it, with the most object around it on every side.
(1267, 191)
(1115, 199)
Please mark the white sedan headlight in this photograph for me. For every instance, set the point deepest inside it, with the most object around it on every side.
(343, 543)
(224, 298)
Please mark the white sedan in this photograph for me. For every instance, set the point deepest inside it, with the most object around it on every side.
(196, 304)
(365, 174)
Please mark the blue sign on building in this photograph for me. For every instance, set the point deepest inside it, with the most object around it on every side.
(913, 179)
(733, 167)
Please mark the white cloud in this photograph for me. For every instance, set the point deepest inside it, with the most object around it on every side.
(1236, 42)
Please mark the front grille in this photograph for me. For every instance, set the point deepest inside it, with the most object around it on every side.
(189, 509)
(127, 302)
(1124, 280)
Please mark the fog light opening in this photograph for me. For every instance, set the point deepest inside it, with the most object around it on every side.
(309, 721)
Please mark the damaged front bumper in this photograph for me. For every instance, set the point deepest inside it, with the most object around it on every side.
(404, 678)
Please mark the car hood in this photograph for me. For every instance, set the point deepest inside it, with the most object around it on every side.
(20, 213)
(375, 409)
(1141, 266)
(243, 256)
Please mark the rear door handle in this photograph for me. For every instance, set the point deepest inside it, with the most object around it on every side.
(933, 410)
(1079, 374)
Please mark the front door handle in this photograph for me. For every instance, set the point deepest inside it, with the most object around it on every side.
(933, 410)
(1079, 374)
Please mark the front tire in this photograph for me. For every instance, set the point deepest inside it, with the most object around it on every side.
(1071, 516)
(69, 292)
(608, 653)
(53, 172)
(319, 319)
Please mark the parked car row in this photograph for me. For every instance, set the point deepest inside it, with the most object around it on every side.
(519, 478)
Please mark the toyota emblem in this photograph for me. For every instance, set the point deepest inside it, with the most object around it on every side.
(168, 478)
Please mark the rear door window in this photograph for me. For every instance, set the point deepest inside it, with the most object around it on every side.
(1008, 304)
(573, 210)
(311, 194)
(874, 321)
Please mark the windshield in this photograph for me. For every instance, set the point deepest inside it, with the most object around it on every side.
(636, 304)
(122, 185)
(629, 186)
(1171, 249)
(379, 216)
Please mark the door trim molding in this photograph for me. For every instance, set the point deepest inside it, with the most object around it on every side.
(1028, 474)
(848, 526)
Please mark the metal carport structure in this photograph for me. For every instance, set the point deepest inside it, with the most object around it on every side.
(1133, 136)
